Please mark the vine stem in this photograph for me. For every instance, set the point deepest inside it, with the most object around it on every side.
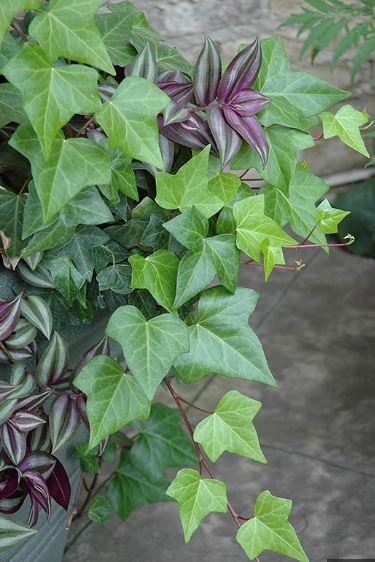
(20, 31)
(85, 126)
(282, 267)
(299, 246)
(202, 461)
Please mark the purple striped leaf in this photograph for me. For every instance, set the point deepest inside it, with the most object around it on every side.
(248, 102)
(250, 130)
(53, 362)
(100, 348)
(241, 72)
(227, 140)
(14, 442)
(63, 420)
(38, 491)
(59, 486)
(207, 73)
(34, 401)
(144, 65)
(39, 462)
(25, 421)
(9, 317)
(12, 504)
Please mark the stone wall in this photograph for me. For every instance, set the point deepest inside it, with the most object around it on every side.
(231, 22)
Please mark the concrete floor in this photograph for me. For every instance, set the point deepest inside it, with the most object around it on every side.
(316, 428)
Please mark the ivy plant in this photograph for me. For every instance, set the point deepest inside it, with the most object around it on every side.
(125, 191)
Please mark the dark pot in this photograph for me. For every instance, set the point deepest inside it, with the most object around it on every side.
(48, 544)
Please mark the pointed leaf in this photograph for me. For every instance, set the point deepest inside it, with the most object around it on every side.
(114, 398)
(197, 497)
(157, 273)
(129, 119)
(149, 346)
(63, 420)
(224, 186)
(73, 164)
(12, 532)
(188, 187)
(52, 94)
(53, 362)
(188, 227)
(9, 8)
(67, 29)
(346, 125)
(230, 428)
(329, 218)
(269, 529)
(36, 311)
(221, 340)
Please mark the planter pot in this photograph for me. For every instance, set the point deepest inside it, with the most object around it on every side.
(48, 544)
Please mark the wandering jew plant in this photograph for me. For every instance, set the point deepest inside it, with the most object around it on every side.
(119, 195)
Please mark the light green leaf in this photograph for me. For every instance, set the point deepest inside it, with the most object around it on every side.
(217, 254)
(345, 124)
(230, 428)
(52, 94)
(298, 210)
(122, 177)
(9, 8)
(272, 255)
(253, 227)
(149, 347)
(188, 187)
(189, 227)
(11, 109)
(114, 398)
(12, 532)
(8, 49)
(157, 273)
(197, 497)
(73, 164)
(162, 443)
(129, 119)
(11, 217)
(54, 235)
(329, 218)
(284, 145)
(67, 29)
(296, 97)
(221, 340)
(115, 28)
(269, 529)
(224, 186)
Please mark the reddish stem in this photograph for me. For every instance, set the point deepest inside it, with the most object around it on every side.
(20, 31)
(69, 131)
(299, 246)
(310, 234)
(202, 460)
(284, 267)
(193, 405)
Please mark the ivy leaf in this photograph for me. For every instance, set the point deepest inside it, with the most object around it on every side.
(189, 227)
(52, 94)
(284, 146)
(11, 217)
(122, 178)
(346, 124)
(157, 273)
(162, 443)
(129, 119)
(66, 278)
(67, 29)
(115, 28)
(131, 488)
(197, 497)
(100, 509)
(272, 255)
(230, 428)
(80, 247)
(9, 8)
(224, 186)
(12, 532)
(253, 227)
(221, 340)
(270, 529)
(149, 346)
(188, 187)
(11, 109)
(116, 278)
(8, 49)
(217, 254)
(329, 218)
(73, 165)
(298, 210)
(296, 97)
(114, 398)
